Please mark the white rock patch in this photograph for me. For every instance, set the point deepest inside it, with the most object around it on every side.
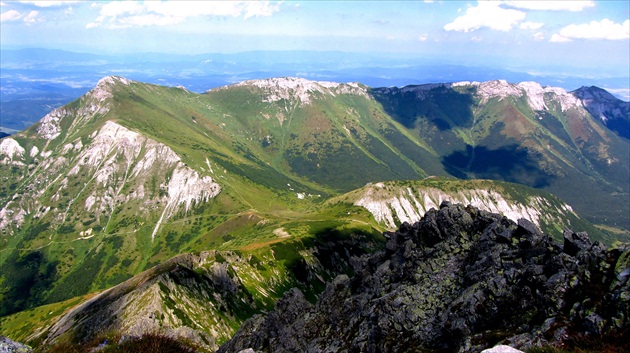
(11, 149)
(292, 88)
(405, 206)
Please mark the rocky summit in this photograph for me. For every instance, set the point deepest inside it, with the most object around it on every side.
(459, 280)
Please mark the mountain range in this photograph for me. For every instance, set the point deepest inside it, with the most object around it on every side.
(264, 185)
(36, 80)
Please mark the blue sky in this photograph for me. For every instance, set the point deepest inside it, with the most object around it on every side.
(559, 37)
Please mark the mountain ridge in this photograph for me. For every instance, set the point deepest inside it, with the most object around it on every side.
(266, 164)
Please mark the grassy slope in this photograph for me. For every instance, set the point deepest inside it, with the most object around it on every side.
(263, 155)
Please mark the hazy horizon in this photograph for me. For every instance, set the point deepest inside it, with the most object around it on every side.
(580, 37)
(559, 43)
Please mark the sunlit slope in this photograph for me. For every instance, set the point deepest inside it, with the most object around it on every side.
(331, 134)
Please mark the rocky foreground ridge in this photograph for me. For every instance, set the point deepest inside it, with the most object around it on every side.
(460, 280)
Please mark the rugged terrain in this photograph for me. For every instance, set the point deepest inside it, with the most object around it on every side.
(460, 280)
(131, 175)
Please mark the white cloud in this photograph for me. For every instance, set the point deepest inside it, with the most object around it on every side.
(423, 37)
(622, 93)
(551, 5)
(13, 15)
(604, 29)
(32, 17)
(122, 14)
(531, 25)
(487, 14)
(476, 39)
(10, 15)
(48, 3)
(556, 38)
(539, 36)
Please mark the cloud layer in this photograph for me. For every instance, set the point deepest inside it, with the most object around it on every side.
(13, 15)
(604, 29)
(548, 5)
(488, 14)
(506, 15)
(125, 14)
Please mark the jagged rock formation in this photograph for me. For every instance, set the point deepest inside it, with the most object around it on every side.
(462, 280)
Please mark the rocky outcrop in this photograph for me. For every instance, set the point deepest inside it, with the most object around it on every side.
(9, 346)
(460, 280)
(393, 203)
(299, 89)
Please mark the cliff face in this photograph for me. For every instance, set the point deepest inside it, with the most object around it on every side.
(462, 280)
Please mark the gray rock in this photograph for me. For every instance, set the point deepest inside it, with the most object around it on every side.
(7, 345)
(455, 281)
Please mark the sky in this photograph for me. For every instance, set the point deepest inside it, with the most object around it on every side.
(563, 37)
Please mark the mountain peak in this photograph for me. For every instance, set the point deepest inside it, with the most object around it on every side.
(104, 86)
(298, 88)
(612, 111)
(588, 94)
(94, 102)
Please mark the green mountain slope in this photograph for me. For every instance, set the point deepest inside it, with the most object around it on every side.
(132, 174)
(523, 133)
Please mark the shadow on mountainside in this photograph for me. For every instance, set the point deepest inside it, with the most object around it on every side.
(442, 106)
(509, 163)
